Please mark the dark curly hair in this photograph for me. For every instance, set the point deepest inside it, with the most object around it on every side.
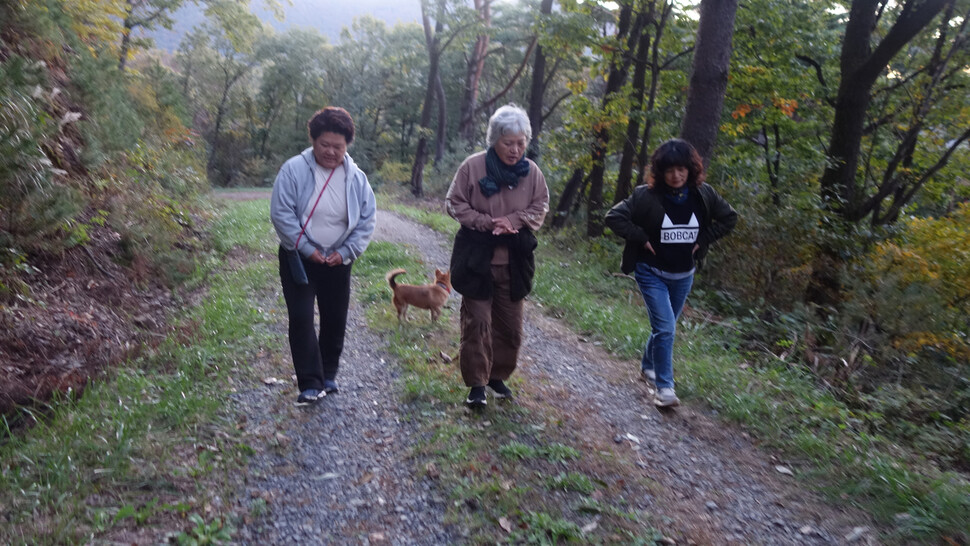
(332, 119)
(675, 153)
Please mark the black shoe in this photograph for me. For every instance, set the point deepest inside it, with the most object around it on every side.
(309, 396)
(501, 391)
(476, 398)
(330, 386)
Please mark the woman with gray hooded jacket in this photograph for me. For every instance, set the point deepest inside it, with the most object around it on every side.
(324, 212)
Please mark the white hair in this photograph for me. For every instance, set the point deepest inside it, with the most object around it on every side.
(509, 119)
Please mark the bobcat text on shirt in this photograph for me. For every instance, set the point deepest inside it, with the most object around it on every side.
(671, 233)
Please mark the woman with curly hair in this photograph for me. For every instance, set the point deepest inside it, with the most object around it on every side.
(668, 225)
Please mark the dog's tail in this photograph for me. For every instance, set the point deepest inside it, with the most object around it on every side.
(393, 273)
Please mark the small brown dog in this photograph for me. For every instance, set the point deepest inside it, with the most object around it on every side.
(428, 296)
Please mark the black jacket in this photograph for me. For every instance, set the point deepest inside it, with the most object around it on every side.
(471, 262)
(641, 214)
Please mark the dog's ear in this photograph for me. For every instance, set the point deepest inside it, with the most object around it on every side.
(437, 271)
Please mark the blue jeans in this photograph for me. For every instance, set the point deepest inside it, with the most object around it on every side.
(665, 300)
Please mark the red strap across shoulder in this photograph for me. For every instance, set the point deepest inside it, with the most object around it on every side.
(325, 184)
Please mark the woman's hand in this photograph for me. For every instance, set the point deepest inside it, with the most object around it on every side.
(502, 226)
(317, 257)
(334, 258)
(649, 248)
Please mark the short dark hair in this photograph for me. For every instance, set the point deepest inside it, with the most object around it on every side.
(675, 153)
(332, 119)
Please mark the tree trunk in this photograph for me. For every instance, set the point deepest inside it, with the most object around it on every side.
(709, 75)
(473, 74)
(421, 153)
(125, 41)
(615, 80)
(625, 174)
(220, 114)
(439, 148)
(643, 155)
(860, 67)
(538, 90)
(566, 199)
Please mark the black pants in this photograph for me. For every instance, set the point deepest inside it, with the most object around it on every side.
(316, 358)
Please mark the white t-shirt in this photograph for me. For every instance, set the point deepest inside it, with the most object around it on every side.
(330, 218)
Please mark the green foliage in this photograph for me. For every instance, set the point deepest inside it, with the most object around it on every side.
(111, 123)
(517, 450)
(916, 288)
(202, 533)
(24, 129)
(765, 262)
(158, 99)
(392, 172)
(912, 298)
(82, 148)
(36, 204)
(571, 481)
(542, 528)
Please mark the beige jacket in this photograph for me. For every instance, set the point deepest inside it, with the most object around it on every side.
(525, 206)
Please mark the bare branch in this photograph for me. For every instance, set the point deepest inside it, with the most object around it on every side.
(555, 104)
(525, 60)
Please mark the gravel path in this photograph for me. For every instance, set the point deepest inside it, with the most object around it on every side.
(339, 471)
(713, 484)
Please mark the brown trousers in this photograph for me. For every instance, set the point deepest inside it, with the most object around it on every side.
(491, 333)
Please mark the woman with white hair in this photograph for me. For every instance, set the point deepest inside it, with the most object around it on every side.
(500, 198)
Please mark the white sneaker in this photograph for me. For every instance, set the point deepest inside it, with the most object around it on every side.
(666, 397)
(650, 375)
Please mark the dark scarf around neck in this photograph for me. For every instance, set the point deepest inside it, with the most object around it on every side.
(498, 174)
(678, 195)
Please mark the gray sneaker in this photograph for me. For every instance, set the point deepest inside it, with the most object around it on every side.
(666, 398)
(650, 375)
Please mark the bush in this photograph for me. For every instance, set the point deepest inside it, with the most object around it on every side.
(916, 288)
(111, 123)
(392, 172)
(25, 128)
(38, 202)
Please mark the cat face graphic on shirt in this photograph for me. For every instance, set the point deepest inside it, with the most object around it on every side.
(671, 233)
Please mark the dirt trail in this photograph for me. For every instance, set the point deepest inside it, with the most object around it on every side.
(709, 482)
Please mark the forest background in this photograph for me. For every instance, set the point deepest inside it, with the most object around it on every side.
(841, 138)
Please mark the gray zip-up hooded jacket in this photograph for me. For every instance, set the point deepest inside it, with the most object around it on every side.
(292, 192)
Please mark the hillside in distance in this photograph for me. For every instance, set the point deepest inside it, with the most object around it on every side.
(327, 16)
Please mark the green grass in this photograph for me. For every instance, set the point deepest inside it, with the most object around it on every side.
(778, 402)
(266, 189)
(437, 221)
(571, 481)
(244, 224)
(144, 446)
